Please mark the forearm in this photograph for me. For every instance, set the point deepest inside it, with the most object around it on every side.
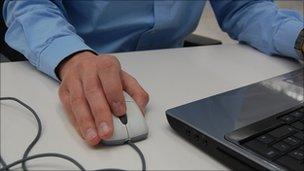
(40, 31)
(260, 24)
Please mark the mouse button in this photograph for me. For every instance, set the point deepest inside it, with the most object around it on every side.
(137, 129)
(136, 125)
(120, 132)
(132, 109)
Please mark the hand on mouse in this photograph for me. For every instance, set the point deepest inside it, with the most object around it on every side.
(92, 89)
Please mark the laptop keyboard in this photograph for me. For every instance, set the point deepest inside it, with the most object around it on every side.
(283, 145)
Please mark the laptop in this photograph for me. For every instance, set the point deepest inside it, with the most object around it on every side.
(260, 125)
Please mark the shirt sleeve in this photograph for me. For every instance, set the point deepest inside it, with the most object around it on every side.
(41, 32)
(261, 24)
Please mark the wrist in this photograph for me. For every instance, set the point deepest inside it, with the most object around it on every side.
(68, 61)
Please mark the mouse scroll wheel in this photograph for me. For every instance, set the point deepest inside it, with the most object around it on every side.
(123, 119)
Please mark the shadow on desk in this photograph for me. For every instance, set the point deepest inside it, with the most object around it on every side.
(3, 59)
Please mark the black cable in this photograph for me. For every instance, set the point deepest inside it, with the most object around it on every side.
(5, 167)
(141, 155)
(23, 160)
(32, 144)
(3, 164)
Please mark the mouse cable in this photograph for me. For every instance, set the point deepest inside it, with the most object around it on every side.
(38, 135)
(23, 160)
(141, 155)
(6, 167)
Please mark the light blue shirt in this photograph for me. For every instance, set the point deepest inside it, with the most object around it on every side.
(47, 31)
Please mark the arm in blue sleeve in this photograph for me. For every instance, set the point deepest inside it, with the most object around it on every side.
(261, 24)
(40, 31)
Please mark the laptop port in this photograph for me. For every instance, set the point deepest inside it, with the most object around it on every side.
(196, 138)
(188, 132)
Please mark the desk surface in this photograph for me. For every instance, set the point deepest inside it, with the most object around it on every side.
(172, 77)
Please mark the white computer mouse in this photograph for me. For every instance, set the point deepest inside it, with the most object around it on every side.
(132, 126)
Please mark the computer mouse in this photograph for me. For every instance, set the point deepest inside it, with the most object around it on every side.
(131, 126)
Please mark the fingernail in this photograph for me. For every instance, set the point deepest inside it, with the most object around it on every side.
(90, 134)
(103, 129)
(118, 108)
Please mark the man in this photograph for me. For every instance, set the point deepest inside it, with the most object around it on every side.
(63, 39)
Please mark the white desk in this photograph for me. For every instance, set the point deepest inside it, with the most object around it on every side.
(172, 77)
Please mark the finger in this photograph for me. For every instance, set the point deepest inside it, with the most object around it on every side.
(98, 105)
(132, 87)
(64, 98)
(109, 76)
(82, 113)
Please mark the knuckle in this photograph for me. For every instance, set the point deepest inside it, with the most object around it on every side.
(100, 112)
(109, 62)
(113, 93)
(62, 87)
(70, 80)
(77, 101)
(84, 120)
(78, 65)
(144, 96)
(83, 65)
(91, 92)
(62, 93)
(132, 79)
(92, 89)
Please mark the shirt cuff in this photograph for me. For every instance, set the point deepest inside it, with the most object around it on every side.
(286, 37)
(57, 50)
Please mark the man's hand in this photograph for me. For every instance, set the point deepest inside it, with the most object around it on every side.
(92, 90)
